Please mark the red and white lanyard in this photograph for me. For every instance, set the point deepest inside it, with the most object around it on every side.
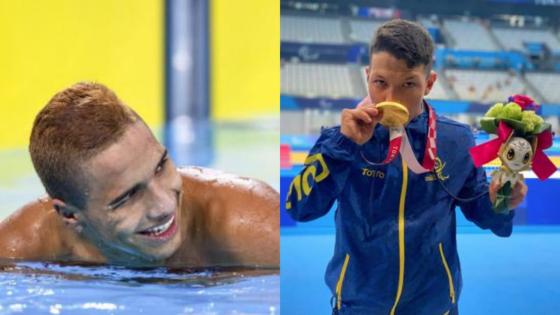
(399, 143)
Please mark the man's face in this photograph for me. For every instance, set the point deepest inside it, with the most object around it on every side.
(133, 198)
(389, 79)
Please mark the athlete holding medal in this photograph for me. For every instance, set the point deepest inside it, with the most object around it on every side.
(397, 171)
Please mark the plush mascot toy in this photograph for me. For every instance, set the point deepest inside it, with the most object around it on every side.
(522, 136)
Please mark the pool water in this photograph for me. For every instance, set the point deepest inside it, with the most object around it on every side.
(40, 288)
(249, 149)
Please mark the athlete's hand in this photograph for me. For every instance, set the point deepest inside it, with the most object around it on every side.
(358, 124)
(517, 194)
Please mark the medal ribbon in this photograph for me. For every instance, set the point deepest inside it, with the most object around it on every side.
(399, 143)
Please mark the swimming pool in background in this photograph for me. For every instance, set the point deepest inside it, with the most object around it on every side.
(249, 149)
(39, 288)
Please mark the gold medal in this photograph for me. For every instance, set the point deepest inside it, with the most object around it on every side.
(394, 114)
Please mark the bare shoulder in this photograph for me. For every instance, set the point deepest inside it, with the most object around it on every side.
(32, 232)
(214, 181)
(241, 215)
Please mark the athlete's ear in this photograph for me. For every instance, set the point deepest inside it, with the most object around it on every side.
(68, 214)
(432, 77)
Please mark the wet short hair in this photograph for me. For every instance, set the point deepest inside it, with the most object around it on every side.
(76, 124)
(405, 40)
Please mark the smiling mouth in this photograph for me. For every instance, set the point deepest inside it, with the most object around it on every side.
(164, 230)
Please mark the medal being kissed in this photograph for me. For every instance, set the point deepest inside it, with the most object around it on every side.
(394, 118)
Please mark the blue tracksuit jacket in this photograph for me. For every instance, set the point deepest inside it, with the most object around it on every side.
(396, 249)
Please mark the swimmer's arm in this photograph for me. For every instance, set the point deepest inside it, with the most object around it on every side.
(29, 234)
(326, 172)
(251, 235)
(480, 210)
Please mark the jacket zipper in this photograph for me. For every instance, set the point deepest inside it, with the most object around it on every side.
(401, 222)
(449, 278)
(341, 281)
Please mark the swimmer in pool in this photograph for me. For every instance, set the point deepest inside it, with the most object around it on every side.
(115, 197)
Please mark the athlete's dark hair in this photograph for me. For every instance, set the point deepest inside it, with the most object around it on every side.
(405, 40)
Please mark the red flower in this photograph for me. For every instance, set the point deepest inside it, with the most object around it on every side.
(524, 101)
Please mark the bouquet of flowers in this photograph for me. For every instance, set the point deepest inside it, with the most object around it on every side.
(522, 135)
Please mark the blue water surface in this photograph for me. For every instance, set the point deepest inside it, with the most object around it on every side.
(39, 288)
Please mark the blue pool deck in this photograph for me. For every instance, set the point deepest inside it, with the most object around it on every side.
(515, 275)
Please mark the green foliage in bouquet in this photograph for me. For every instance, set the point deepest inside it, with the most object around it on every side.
(526, 123)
